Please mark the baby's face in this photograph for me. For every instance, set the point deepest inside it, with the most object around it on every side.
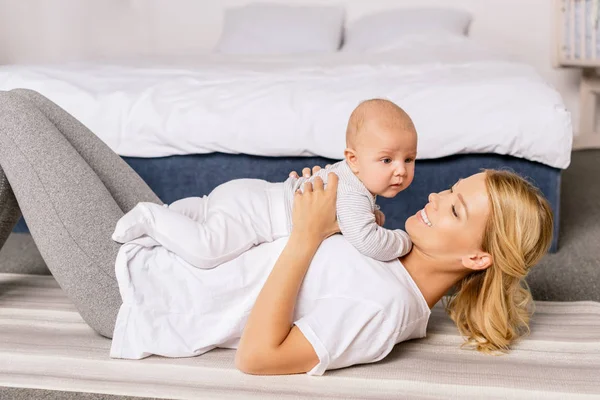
(385, 159)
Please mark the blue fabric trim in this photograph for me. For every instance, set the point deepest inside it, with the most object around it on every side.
(175, 177)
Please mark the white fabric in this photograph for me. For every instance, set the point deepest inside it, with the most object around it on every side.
(208, 231)
(462, 98)
(264, 28)
(351, 308)
(380, 30)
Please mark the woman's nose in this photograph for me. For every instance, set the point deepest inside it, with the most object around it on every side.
(433, 199)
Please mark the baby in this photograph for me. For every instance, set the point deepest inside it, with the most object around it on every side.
(207, 231)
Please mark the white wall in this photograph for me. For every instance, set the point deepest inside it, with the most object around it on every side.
(528, 34)
(54, 30)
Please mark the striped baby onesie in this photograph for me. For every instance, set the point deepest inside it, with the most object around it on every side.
(356, 214)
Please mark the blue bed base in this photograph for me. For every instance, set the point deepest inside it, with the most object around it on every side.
(175, 177)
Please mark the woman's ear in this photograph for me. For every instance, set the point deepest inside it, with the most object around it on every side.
(350, 155)
(477, 261)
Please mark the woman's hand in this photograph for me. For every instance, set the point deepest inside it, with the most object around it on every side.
(306, 172)
(314, 212)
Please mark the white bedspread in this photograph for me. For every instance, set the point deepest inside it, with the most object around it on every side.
(462, 98)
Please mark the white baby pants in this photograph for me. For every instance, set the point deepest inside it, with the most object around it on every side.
(210, 230)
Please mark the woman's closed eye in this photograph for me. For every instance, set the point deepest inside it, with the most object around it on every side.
(453, 208)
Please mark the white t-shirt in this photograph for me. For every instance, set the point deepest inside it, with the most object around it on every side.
(351, 308)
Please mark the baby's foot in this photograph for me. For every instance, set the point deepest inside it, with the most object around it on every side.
(136, 223)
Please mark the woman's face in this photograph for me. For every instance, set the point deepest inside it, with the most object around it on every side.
(452, 224)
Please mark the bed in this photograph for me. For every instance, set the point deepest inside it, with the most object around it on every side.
(187, 124)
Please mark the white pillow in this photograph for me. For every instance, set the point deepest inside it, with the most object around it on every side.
(263, 28)
(377, 31)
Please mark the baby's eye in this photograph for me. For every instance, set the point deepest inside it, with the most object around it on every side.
(409, 160)
(386, 160)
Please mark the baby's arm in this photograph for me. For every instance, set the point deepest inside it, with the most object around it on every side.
(357, 223)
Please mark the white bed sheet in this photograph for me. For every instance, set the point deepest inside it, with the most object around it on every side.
(462, 98)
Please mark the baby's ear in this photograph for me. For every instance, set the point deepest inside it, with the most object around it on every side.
(350, 156)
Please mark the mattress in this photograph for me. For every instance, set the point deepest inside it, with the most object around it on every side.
(175, 177)
(462, 97)
(45, 344)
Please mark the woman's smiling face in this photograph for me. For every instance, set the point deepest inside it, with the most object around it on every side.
(452, 224)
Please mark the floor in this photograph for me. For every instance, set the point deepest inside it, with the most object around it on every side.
(45, 344)
(39, 394)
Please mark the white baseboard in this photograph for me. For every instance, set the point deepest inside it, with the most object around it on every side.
(590, 141)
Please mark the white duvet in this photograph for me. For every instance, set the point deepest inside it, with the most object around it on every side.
(462, 98)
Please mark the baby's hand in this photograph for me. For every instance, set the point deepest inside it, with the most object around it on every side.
(306, 172)
(379, 217)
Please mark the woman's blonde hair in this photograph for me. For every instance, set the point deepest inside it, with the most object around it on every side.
(492, 307)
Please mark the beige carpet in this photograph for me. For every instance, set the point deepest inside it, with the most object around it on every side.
(45, 344)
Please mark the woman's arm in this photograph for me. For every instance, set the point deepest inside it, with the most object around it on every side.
(269, 344)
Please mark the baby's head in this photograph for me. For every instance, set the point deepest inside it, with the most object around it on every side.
(381, 147)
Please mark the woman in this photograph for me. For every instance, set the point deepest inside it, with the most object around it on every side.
(480, 236)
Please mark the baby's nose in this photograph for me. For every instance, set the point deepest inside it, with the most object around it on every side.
(401, 169)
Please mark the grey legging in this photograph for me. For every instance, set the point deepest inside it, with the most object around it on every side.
(72, 189)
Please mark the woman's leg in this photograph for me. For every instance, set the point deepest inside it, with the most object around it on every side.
(125, 185)
(9, 209)
(69, 210)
